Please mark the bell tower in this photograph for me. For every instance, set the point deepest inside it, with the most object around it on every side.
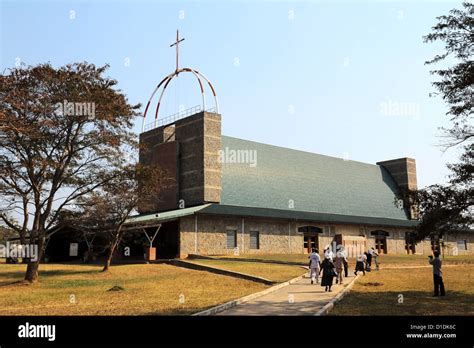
(186, 146)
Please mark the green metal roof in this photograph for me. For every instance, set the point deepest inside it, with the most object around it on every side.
(164, 216)
(315, 183)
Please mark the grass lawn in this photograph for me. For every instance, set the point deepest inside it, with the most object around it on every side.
(149, 289)
(385, 260)
(416, 287)
(273, 272)
(301, 258)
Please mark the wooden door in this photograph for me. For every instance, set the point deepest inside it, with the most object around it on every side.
(310, 240)
(381, 244)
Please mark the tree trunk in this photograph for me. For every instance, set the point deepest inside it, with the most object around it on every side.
(110, 255)
(32, 274)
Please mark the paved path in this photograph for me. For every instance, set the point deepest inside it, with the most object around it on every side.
(299, 298)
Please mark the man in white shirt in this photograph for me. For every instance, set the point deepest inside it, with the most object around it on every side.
(314, 261)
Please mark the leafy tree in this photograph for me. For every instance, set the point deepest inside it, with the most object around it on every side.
(445, 209)
(63, 131)
(449, 208)
(456, 86)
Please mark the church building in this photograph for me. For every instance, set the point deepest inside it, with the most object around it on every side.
(231, 195)
(234, 196)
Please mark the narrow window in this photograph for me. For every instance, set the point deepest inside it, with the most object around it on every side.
(231, 239)
(254, 240)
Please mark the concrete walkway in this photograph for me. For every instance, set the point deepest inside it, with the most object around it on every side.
(299, 298)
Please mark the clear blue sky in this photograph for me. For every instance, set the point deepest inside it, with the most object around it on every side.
(308, 75)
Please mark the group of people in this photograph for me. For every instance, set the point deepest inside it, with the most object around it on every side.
(334, 264)
(364, 261)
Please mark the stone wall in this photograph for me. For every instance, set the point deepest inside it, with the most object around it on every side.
(276, 236)
(189, 151)
(451, 244)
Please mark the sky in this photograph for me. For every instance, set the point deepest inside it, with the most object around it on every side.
(340, 78)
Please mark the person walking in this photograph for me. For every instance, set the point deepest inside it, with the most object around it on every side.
(375, 256)
(314, 265)
(360, 263)
(437, 274)
(327, 267)
(368, 263)
(338, 264)
(344, 261)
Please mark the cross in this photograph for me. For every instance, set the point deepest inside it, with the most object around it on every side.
(178, 40)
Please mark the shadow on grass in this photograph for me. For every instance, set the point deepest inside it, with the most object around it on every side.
(17, 275)
(405, 303)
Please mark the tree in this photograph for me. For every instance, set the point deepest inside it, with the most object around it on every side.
(456, 86)
(449, 208)
(109, 208)
(6, 233)
(62, 132)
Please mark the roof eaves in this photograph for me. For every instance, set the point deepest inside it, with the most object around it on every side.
(218, 209)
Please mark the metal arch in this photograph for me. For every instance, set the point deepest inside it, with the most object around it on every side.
(162, 92)
(166, 85)
(149, 100)
(212, 89)
(168, 79)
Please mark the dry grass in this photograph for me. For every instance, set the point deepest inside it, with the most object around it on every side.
(385, 260)
(416, 287)
(149, 289)
(273, 272)
(300, 258)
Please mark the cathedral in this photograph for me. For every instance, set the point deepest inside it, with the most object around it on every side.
(233, 196)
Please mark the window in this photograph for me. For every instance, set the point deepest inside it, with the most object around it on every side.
(380, 233)
(312, 229)
(231, 239)
(330, 231)
(254, 240)
(462, 244)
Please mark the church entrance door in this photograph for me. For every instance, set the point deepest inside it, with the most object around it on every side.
(310, 240)
(381, 244)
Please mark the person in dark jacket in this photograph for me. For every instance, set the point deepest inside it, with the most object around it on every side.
(327, 267)
(437, 274)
